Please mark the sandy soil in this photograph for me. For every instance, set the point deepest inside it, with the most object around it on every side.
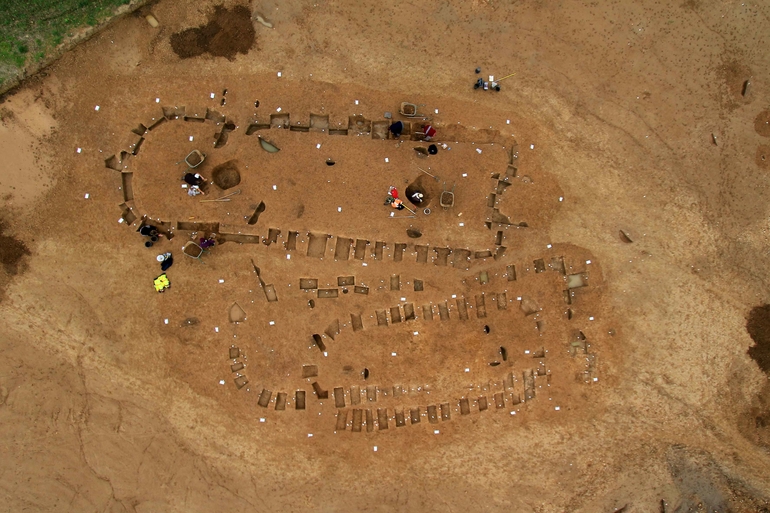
(628, 151)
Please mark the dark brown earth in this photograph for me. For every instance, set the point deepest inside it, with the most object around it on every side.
(227, 33)
(758, 326)
(226, 175)
(12, 251)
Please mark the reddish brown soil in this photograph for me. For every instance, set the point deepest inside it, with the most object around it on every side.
(635, 392)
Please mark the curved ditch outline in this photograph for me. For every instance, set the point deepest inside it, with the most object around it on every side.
(358, 125)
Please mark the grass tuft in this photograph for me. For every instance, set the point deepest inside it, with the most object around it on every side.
(35, 27)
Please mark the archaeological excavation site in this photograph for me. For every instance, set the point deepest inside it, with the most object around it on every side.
(463, 256)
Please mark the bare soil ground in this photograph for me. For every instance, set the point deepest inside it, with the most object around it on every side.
(584, 329)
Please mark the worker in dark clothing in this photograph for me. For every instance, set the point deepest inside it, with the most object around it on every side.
(148, 230)
(194, 179)
(397, 128)
(166, 260)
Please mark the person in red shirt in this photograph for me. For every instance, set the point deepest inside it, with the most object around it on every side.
(429, 132)
(393, 198)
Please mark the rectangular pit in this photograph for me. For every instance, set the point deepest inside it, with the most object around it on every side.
(446, 412)
(481, 307)
(339, 397)
(291, 242)
(342, 420)
(379, 248)
(279, 120)
(316, 247)
(359, 253)
(422, 254)
(346, 281)
(443, 311)
(128, 190)
(432, 414)
(400, 419)
(308, 283)
(355, 395)
(382, 418)
(264, 398)
(442, 256)
(319, 122)
(342, 248)
(398, 253)
(462, 308)
(280, 401)
(358, 419)
(461, 258)
(356, 322)
(380, 130)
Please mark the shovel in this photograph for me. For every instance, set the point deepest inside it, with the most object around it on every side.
(432, 176)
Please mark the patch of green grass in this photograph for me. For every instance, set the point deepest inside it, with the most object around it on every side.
(29, 29)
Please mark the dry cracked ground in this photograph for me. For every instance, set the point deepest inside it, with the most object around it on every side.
(584, 327)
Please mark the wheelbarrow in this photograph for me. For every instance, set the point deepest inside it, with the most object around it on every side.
(408, 109)
(447, 198)
(193, 250)
(194, 159)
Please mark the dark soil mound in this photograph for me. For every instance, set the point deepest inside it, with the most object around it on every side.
(758, 327)
(228, 33)
(11, 251)
(227, 175)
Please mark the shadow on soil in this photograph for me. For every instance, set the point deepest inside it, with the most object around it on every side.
(11, 252)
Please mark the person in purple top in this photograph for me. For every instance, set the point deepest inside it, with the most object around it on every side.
(207, 243)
